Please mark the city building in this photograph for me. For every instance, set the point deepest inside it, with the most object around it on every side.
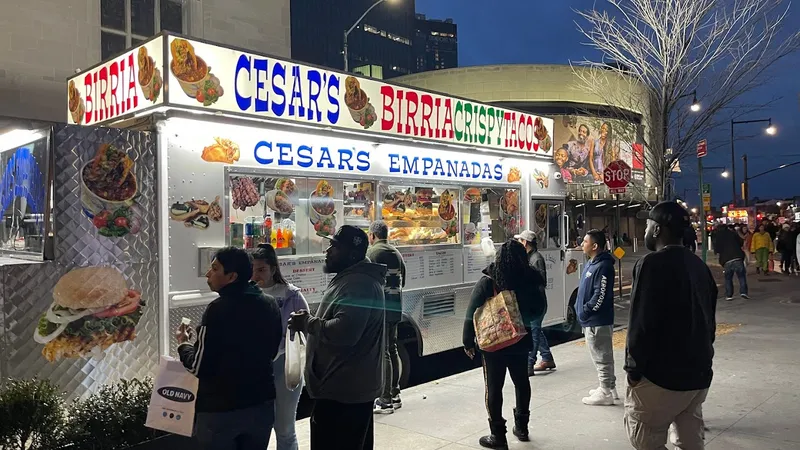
(554, 91)
(48, 41)
(435, 44)
(380, 46)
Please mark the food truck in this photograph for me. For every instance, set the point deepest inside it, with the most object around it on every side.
(179, 147)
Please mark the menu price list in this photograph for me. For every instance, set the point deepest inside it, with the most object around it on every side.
(476, 262)
(432, 267)
(308, 275)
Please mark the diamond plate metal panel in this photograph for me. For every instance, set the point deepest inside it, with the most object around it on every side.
(76, 237)
(27, 289)
(176, 314)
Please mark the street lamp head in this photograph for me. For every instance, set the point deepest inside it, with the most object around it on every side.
(694, 210)
(778, 204)
(695, 105)
(725, 174)
(771, 130)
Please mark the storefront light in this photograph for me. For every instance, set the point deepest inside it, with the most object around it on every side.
(15, 138)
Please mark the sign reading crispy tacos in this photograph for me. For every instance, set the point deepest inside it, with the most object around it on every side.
(92, 308)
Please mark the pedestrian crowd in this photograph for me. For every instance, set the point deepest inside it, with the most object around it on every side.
(352, 370)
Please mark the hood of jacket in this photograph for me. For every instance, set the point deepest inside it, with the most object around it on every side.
(604, 256)
(364, 268)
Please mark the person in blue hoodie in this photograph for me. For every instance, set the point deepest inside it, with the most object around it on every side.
(595, 311)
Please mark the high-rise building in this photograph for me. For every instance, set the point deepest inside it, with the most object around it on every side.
(381, 46)
(435, 44)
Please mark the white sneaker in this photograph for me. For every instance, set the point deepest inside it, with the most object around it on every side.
(600, 397)
(613, 392)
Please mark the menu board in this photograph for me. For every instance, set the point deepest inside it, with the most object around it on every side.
(432, 267)
(476, 262)
(307, 274)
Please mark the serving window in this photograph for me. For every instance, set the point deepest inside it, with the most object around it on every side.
(295, 213)
(490, 212)
(421, 215)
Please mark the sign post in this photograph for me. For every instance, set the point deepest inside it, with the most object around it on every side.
(616, 176)
(702, 150)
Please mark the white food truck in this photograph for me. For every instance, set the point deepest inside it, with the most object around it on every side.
(179, 147)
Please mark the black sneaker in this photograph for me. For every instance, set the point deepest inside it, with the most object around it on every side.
(396, 402)
(382, 408)
(729, 299)
(745, 296)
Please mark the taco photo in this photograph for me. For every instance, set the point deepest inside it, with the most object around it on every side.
(93, 308)
(149, 76)
(193, 73)
(361, 110)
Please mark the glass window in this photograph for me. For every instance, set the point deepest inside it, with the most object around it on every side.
(136, 21)
(490, 212)
(143, 17)
(295, 213)
(111, 44)
(359, 203)
(23, 199)
(112, 14)
(420, 215)
(264, 210)
(172, 15)
(547, 224)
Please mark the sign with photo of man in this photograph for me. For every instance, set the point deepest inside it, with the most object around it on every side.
(585, 145)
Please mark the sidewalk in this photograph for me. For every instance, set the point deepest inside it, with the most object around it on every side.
(754, 402)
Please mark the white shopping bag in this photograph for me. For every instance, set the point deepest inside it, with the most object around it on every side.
(295, 359)
(173, 399)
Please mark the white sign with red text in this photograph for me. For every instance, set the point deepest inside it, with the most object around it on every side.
(215, 78)
(123, 85)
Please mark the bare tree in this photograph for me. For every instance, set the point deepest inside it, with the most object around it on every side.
(656, 53)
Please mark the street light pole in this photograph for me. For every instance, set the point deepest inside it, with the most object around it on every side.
(746, 183)
(350, 30)
(770, 130)
(703, 216)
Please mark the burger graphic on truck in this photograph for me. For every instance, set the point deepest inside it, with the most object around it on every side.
(92, 309)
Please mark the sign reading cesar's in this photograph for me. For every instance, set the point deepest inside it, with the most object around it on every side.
(209, 76)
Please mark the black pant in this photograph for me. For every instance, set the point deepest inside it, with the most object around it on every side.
(342, 426)
(391, 364)
(494, 376)
(786, 260)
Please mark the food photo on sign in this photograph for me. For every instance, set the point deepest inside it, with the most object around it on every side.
(193, 73)
(109, 187)
(93, 308)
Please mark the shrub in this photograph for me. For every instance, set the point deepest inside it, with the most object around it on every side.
(31, 415)
(112, 418)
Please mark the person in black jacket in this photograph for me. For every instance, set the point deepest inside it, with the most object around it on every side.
(236, 341)
(381, 252)
(670, 344)
(728, 245)
(510, 271)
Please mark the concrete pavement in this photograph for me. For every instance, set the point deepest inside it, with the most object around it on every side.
(754, 402)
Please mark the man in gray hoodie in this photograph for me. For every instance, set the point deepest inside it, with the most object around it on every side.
(344, 370)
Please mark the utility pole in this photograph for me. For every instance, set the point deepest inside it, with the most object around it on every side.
(745, 185)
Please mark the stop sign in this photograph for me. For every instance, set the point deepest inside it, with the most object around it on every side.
(617, 175)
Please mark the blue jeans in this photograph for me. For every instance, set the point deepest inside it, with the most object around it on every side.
(540, 344)
(285, 407)
(735, 267)
(242, 429)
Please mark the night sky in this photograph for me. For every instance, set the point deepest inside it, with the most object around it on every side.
(523, 31)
